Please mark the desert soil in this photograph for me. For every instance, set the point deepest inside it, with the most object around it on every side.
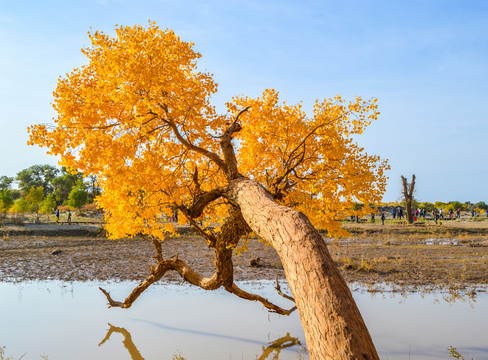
(451, 256)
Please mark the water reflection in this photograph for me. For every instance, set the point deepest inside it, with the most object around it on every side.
(278, 345)
(128, 343)
(453, 293)
(275, 346)
(69, 320)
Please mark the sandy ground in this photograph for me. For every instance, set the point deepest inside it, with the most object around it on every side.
(449, 256)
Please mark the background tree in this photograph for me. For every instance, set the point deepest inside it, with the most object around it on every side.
(78, 195)
(64, 183)
(454, 205)
(6, 182)
(427, 206)
(94, 189)
(440, 205)
(139, 117)
(35, 176)
(481, 205)
(34, 197)
(21, 206)
(6, 201)
(408, 189)
(48, 205)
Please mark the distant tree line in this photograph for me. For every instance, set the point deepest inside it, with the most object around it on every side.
(445, 206)
(43, 188)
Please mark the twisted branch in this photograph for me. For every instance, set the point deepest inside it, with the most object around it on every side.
(232, 230)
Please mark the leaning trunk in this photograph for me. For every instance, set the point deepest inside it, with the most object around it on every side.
(333, 325)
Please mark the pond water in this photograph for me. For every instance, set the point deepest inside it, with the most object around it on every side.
(72, 321)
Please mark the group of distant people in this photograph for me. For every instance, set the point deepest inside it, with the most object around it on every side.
(440, 215)
(68, 219)
(399, 213)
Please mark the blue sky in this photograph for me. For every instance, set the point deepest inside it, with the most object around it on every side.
(426, 62)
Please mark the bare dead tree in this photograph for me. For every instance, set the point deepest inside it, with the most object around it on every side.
(408, 189)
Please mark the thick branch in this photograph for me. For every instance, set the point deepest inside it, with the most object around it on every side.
(157, 246)
(157, 272)
(411, 187)
(232, 230)
(203, 200)
(408, 188)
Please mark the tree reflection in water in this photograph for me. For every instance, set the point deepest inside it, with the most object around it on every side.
(128, 343)
(274, 346)
(278, 345)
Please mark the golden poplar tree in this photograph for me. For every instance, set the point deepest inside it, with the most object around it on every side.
(138, 116)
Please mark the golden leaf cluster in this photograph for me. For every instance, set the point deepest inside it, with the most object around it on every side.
(139, 117)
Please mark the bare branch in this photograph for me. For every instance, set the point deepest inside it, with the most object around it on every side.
(157, 272)
(231, 232)
(204, 199)
(241, 112)
(157, 246)
(278, 290)
(234, 289)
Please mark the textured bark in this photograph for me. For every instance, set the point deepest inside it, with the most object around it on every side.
(333, 325)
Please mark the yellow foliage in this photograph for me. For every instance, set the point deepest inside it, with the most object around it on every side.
(139, 116)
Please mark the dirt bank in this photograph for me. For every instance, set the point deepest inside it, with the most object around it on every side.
(79, 253)
(448, 256)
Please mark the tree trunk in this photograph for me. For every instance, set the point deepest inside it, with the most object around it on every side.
(408, 195)
(333, 325)
(408, 206)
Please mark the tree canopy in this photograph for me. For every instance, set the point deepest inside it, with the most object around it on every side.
(6, 182)
(139, 117)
